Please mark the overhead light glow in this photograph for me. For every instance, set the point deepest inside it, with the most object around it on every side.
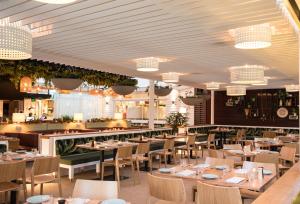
(170, 77)
(292, 87)
(212, 85)
(148, 64)
(237, 90)
(15, 40)
(247, 74)
(266, 82)
(253, 37)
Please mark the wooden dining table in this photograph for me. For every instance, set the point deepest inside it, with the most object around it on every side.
(222, 132)
(255, 185)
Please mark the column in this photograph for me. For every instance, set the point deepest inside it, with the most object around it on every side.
(151, 110)
(212, 107)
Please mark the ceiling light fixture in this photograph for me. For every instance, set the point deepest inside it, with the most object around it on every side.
(247, 74)
(212, 85)
(170, 77)
(266, 82)
(15, 40)
(147, 64)
(253, 37)
(292, 87)
(56, 1)
(237, 90)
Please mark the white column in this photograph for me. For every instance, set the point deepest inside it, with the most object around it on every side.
(151, 110)
(212, 107)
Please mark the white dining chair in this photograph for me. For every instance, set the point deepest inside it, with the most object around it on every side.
(95, 190)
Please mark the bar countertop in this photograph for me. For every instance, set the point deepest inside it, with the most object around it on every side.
(284, 190)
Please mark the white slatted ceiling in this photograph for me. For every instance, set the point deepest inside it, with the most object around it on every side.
(108, 34)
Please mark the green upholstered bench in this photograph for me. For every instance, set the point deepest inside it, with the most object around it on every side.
(73, 161)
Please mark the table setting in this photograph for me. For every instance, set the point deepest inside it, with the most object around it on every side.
(248, 178)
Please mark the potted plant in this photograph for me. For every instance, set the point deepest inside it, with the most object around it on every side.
(176, 120)
(125, 87)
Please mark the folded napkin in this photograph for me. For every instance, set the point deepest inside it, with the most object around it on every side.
(234, 180)
(185, 173)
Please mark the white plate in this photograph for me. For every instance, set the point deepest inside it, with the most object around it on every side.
(221, 167)
(113, 201)
(267, 172)
(38, 199)
(165, 170)
(210, 176)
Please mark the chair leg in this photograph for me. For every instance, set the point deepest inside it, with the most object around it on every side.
(59, 188)
(175, 157)
(32, 188)
(165, 158)
(24, 189)
(117, 175)
(159, 161)
(98, 168)
(150, 163)
(138, 168)
(133, 172)
(71, 173)
(102, 171)
(41, 189)
(6, 197)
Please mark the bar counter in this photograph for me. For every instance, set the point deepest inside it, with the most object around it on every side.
(284, 190)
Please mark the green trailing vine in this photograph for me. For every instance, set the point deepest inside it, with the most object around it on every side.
(14, 70)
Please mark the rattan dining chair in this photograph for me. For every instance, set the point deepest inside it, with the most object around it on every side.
(95, 190)
(272, 158)
(216, 161)
(209, 144)
(45, 170)
(168, 150)
(215, 153)
(287, 157)
(123, 158)
(294, 145)
(210, 194)
(141, 155)
(10, 172)
(188, 147)
(166, 190)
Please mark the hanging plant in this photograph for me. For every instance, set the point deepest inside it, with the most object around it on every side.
(14, 70)
(162, 90)
(125, 86)
(191, 100)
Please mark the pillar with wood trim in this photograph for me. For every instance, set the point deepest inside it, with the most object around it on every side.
(151, 110)
(212, 107)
